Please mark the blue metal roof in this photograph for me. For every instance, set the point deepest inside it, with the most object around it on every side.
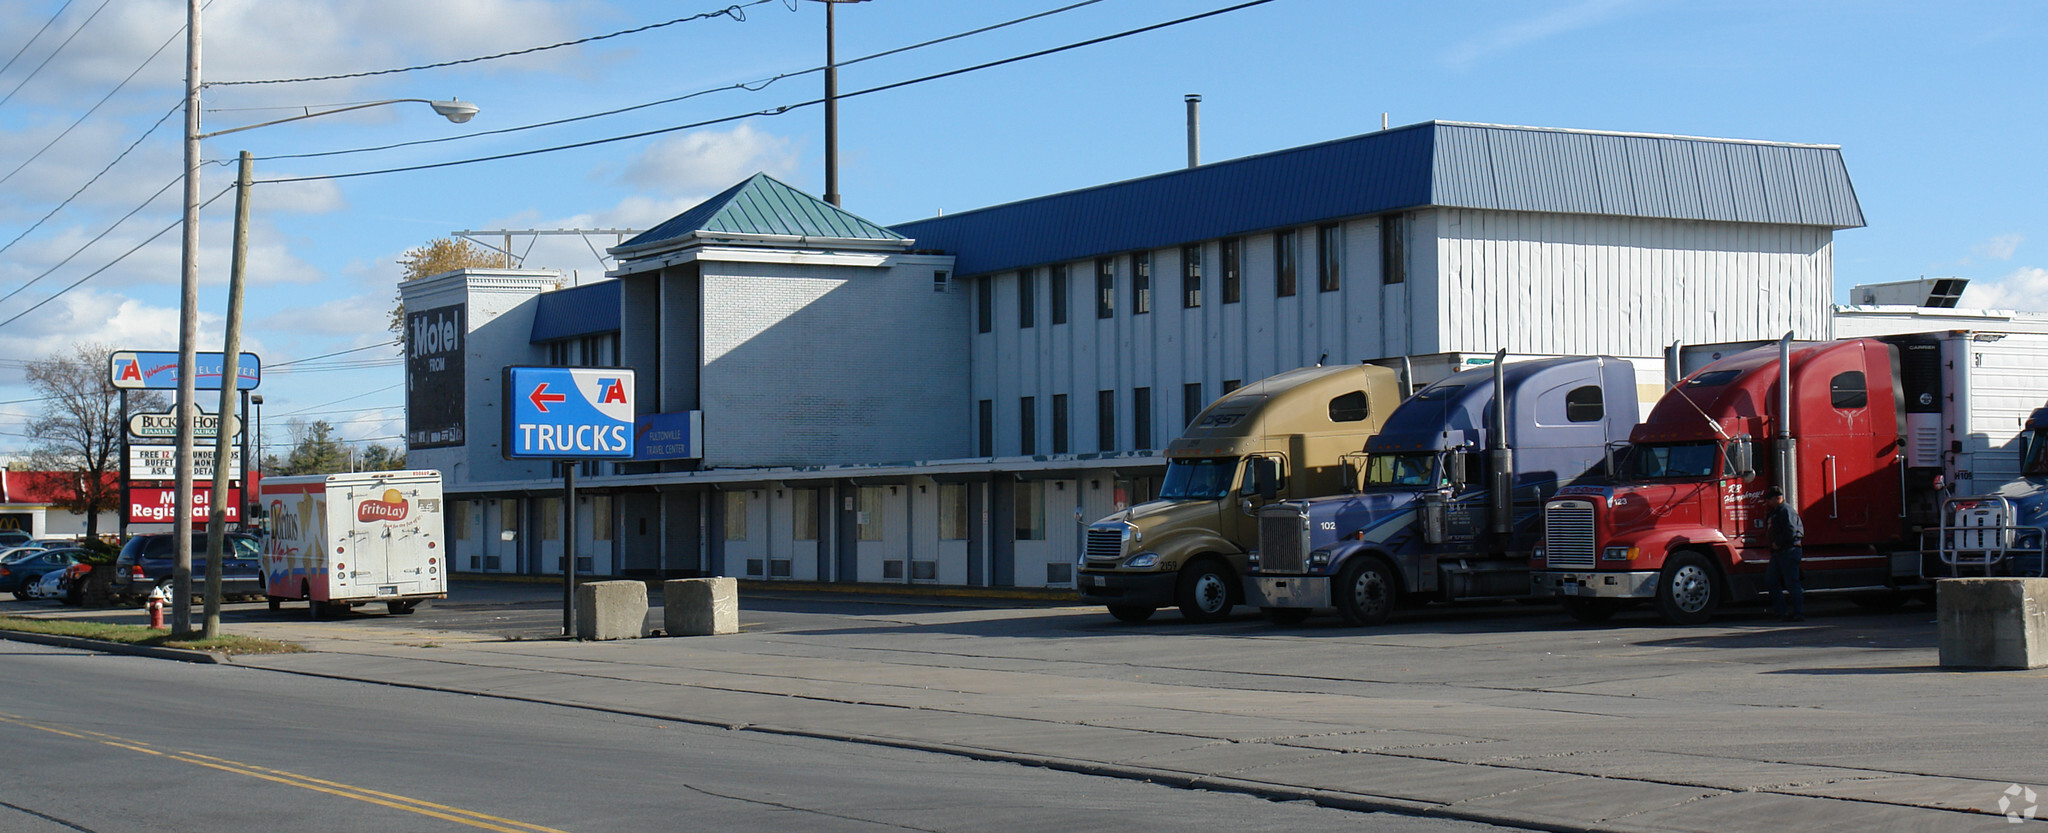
(1430, 164)
(761, 205)
(589, 309)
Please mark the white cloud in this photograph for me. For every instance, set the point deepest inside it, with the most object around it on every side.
(2023, 289)
(710, 161)
(2000, 247)
(359, 316)
(1521, 33)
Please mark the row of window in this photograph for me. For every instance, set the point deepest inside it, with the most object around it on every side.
(1230, 270)
(550, 517)
(1193, 401)
(1029, 504)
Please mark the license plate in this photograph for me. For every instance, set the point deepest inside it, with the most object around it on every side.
(388, 590)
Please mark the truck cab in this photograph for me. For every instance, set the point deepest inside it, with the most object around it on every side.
(1446, 506)
(1280, 438)
(2001, 533)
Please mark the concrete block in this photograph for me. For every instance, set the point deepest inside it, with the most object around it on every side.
(610, 609)
(1993, 622)
(701, 606)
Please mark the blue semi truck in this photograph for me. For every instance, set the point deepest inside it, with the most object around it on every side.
(2001, 533)
(1447, 504)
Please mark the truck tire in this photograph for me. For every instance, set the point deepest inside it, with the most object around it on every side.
(1131, 613)
(1366, 590)
(401, 608)
(1286, 615)
(1591, 611)
(1203, 593)
(1686, 591)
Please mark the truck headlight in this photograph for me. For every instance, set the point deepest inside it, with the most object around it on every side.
(1537, 553)
(1618, 554)
(2027, 541)
(1252, 559)
(1319, 558)
(1143, 559)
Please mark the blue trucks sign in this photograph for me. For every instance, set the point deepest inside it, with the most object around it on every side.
(568, 413)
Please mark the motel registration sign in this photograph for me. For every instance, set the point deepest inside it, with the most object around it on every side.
(568, 413)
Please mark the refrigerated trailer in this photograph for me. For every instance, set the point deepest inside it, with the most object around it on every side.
(338, 541)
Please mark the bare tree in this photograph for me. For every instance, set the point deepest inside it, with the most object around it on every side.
(79, 432)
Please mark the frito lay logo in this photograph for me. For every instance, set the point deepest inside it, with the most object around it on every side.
(392, 508)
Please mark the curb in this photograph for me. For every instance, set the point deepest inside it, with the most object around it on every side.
(1033, 594)
(105, 647)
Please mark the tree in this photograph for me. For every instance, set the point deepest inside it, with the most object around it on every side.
(314, 450)
(381, 458)
(439, 255)
(79, 432)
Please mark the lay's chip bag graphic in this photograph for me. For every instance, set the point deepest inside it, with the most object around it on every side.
(392, 507)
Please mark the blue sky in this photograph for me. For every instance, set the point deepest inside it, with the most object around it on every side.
(1937, 107)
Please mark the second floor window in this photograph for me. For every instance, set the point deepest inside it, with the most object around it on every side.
(1190, 276)
(1059, 294)
(1105, 288)
(1283, 263)
(1027, 299)
(1141, 283)
(1228, 268)
(1329, 257)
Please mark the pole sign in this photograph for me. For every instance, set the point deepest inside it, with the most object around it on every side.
(205, 426)
(568, 413)
(159, 462)
(140, 370)
(159, 505)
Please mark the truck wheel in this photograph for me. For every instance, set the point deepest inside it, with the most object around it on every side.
(1204, 591)
(1591, 611)
(276, 603)
(314, 610)
(400, 608)
(1131, 613)
(1286, 615)
(1686, 594)
(1366, 590)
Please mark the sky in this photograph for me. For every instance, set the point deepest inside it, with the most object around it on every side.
(1937, 108)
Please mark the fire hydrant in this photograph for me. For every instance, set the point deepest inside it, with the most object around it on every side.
(156, 608)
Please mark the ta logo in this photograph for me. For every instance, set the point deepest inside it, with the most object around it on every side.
(2009, 803)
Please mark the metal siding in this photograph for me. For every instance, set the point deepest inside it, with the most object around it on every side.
(1648, 188)
(1613, 178)
(1746, 183)
(580, 311)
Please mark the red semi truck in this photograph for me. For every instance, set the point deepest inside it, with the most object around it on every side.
(1881, 430)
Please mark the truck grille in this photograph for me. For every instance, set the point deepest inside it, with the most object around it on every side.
(1568, 535)
(1283, 541)
(1105, 544)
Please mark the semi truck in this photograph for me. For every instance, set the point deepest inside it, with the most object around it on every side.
(1448, 504)
(339, 541)
(1866, 437)
(2000, 533)
(1281, 437)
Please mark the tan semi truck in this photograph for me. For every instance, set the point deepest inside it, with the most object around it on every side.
(1280, 438)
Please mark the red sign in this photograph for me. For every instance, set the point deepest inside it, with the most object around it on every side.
(392, 508)
(154, 505)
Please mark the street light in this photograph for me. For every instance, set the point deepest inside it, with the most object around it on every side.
(188, 331)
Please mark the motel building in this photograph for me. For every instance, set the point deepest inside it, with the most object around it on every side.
(949, 401)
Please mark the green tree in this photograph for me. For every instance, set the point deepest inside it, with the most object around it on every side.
(377, 457)
(437, 256)
(314, 450)
(79, 431)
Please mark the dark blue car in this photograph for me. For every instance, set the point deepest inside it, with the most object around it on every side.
(147, 560)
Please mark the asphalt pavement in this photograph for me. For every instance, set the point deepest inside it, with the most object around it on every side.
(1499, 714)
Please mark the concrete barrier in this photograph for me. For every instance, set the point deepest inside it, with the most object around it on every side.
(611, 610)
(1993, 622)
(701, 606)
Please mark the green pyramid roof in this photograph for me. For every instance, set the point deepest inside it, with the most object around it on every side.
(764, 205)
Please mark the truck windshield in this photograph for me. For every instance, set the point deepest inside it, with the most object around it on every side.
(1670, 460)
(1206, 479)
(2034, 453)
(1402, 470)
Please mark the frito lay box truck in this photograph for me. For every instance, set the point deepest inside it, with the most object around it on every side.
(338, 541)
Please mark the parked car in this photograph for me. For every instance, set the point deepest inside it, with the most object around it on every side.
(13, 537)
(147, 560)
(11, 554)
(17, 574)
(56, 584)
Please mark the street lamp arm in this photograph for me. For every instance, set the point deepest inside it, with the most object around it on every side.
(454, 110)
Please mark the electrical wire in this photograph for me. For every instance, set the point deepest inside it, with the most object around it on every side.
(339, 401)
(737, 12)
(124, 255)
(95, 108)
(95, 177)
(776, 111)
(88, 244)
(756, 85)
(53, 53)
(390, 343)
(33, 38)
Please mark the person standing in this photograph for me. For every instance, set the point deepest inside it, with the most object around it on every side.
(1785, 529)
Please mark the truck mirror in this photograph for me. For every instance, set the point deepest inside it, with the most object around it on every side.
(1454, 468)
(1741, 458)
(1266, 477)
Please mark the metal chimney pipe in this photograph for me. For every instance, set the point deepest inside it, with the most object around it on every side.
(1194, 130)
(1788, 445)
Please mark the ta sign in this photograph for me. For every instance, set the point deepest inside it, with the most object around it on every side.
(568, 413)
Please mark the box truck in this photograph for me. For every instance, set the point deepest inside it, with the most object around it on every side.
(338, 541)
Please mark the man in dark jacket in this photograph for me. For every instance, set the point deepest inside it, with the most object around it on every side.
(1785, 530)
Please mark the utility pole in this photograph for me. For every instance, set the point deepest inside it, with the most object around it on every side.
(831, 107)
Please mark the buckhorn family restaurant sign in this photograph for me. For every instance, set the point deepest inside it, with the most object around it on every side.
(145, 370)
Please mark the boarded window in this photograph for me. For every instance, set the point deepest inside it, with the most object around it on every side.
(1329, 257)
(1351, 407)
(1031, 510)
(550, 518)
(1584, 405)
(1847, 390)
(1394, 248)
(1283, 263)
(806, 514)
(1105, 420)
(1059, 294)
(1141, 416)
(601, 518)
(1059, 423)
(952, 511)
(458, 519)
(735, 516)
(1027, 299)
(871, 513)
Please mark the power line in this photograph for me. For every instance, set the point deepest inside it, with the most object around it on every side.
(776, 111)
(88, 244)
(339, 401)
(95, 177)
(37, 36)
(124, 256)
(53, 53)
(736, 12)
(95, 108)
(390, 343)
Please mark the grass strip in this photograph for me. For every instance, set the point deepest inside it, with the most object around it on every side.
(142, 635)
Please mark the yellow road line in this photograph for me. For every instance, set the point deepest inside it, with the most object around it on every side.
(304, 782)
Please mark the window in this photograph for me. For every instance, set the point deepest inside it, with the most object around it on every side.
(1059, 294)
(550, 518)
(870, 520)
(1031, 510)
(1191, 402)
(1394, 248)
(1141, 416)
(1141, 283)
(952, 511)
(601, 518)
(1105, 288)
(458, 519)
(1330, 257)
(508, 515)
(1583, 404)
(1027, 299)
(805, 514)
(1283, 263)
(1027, 420)
(1231, 385)
(988, 428)
(1230, 267)
(985, 305)
(1351, 407)
(1105, 420)
(938, 281)
(1059, 423)
(735, 516)
(1847, 390)
(1190, 277)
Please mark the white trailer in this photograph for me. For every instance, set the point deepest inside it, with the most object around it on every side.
(341, 540)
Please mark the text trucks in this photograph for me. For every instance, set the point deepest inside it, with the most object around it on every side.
(341, 540)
